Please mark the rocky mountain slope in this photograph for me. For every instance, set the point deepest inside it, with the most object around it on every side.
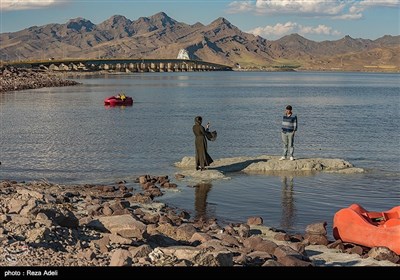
(160, 36)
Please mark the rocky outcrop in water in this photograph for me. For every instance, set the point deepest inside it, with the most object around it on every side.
(265, 164)
(12, 79)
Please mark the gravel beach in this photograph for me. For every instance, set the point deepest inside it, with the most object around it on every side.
(45, 224)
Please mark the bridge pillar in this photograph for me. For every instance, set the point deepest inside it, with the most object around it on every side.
(184, 66)
(170, 67)
(132, 67)
(143, 67)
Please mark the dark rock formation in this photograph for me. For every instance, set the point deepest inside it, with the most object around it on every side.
(12, 79)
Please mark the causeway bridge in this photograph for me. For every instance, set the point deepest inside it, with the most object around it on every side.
(123, 65)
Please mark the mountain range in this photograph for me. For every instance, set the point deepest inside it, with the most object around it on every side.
(161, 37)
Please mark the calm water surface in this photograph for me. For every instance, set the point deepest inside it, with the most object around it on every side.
(66, 135)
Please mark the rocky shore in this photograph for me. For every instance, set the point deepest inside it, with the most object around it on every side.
(45, 224)
(12, 79)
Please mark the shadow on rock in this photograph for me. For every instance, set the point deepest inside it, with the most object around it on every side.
(235, 167)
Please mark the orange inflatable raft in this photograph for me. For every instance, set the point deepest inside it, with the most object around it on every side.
(371, 229)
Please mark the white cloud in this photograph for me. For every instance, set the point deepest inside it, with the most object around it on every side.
(350, 16)
(300, 6)
(336, 9)
(12, 5)
(277, 30)
(281, 29)
(320, 30)
(239, 7)
(381, 3)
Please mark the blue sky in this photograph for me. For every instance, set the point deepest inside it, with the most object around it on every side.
(316, 20)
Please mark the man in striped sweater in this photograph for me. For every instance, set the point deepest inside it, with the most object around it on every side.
(289, 128)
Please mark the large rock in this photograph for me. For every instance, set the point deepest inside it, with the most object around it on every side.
(60, 216)
(121, 257)
(123, 225)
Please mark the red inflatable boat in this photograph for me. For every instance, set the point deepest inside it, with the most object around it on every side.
(371, 229)
(118, 100)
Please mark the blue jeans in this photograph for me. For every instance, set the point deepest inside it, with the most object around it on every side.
(288, 141)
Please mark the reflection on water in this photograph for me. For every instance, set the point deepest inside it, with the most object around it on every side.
(288, 202)
(200, 202)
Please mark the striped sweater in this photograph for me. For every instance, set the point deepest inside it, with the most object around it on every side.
(289, 123)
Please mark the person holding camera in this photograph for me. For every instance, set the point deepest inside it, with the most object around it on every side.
(202, 158)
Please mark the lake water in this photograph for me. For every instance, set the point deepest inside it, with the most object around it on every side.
(66, 135)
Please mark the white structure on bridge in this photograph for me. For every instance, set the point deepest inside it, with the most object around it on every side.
(183, 54)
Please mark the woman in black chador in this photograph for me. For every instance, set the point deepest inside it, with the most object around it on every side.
(201, 135)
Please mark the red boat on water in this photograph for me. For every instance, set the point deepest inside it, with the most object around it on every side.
(371, 229)
(118, 100)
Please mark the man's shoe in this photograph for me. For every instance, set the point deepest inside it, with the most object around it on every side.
(291, 158)
(282, 158)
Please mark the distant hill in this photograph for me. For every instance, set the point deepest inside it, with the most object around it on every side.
(160, 36)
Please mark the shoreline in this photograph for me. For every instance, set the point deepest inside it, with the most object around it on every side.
(47, 224)
(15, 79)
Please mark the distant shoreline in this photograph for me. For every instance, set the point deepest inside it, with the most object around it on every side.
(15, 79)
(317, 71)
